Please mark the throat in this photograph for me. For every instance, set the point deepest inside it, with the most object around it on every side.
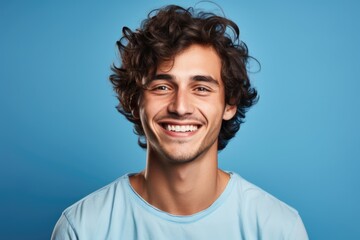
(179, 195)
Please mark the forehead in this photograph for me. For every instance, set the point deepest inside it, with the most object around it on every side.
(198, 58)
(193, 60)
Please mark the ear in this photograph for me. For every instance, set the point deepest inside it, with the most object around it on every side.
(135, 113)
(229, 112)
(135, 107)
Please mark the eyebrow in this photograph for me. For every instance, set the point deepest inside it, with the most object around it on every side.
(197, 78)
(203, 78)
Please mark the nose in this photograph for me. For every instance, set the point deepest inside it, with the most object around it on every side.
(181, 103)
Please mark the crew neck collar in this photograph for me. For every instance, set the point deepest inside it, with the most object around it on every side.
(180, 218)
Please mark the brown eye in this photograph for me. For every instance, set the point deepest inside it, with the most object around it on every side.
(202, 89)
(162, 88)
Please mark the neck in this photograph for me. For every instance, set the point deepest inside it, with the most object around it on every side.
(180, 188)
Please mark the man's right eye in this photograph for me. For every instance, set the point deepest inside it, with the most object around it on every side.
(162, 88)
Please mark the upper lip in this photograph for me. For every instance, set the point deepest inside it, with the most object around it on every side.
(180, 122)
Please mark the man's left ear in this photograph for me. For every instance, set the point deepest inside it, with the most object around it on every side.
(230, 111)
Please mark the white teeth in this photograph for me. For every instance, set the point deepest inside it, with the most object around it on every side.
(181, 128)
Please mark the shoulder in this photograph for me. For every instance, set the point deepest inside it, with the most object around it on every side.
(257, 199)
(99, 200)
(263, 211)
(94, 210)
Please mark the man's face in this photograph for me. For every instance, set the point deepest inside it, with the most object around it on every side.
(182, 108)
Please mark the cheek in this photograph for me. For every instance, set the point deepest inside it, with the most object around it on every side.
(213, 113)
(214, 106)
(144, 113)
(149, 110)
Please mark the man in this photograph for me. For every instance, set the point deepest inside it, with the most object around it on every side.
(183, 83)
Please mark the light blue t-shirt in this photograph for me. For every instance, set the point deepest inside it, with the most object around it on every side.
(243, 211)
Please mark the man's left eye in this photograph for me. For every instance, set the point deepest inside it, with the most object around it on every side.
(163, 88)
(202, 89)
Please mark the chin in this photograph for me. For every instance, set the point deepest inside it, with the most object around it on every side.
(183, 155)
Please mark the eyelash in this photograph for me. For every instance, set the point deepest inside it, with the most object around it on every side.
(161, 87)
(164, 89)
(202, 89)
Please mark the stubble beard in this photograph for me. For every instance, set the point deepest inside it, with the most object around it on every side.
(184, 155)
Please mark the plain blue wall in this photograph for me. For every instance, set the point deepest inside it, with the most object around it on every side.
(61, 137)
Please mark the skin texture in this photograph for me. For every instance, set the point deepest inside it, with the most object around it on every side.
(182, 175)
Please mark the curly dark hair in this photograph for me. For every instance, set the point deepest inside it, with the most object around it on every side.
(165, 33)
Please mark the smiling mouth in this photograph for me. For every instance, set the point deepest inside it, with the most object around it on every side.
(180, 128)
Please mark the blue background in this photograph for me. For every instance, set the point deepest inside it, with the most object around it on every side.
(61, 137)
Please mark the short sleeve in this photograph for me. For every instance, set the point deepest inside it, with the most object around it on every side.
(63, 230)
